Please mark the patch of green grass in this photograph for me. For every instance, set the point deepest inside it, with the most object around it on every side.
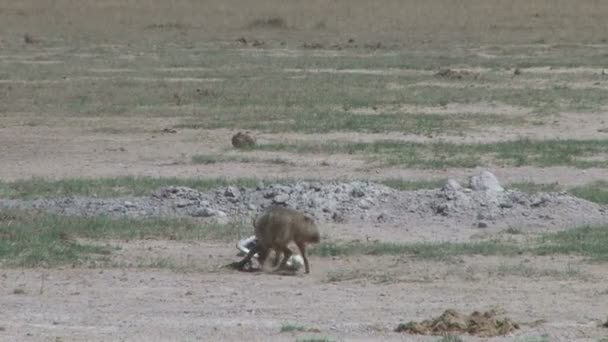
(142, 186)
(109, 187)
(374, 277)
(426, 250)
(587, 241)
(526, 271)
(324, 120)
(595, 192)
(217, 158)
(532, 188)
(442, 155)
(32, 239)
(289, 327)
(112, 130)
(409, 185)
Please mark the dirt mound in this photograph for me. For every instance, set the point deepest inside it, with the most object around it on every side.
(486, 324)
(484, 204)
(243, 140)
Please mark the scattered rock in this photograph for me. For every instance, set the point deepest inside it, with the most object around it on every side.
(344, 202)
(281, 199)
(232, 191)
(442, 208)
(541, 200)
(204, 212)
(451, 185)
(243, 140)
(482, 224)
(365, 204)
(337, 217)
(517, 72)
(357, 192)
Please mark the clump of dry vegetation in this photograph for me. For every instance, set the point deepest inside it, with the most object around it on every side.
(483, 324)
(273, 22)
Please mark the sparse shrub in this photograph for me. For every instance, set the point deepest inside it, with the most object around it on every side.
(273, 22)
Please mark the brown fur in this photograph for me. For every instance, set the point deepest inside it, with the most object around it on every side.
(276, 229)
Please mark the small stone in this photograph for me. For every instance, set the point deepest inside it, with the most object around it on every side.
(316, 186)
(204, 212)
(259, 186)
(232, 191)
(251, 206)
(506, 205)
(220, 213)
(382, 218)
(451, 185)
(129, 204)
(118, 207)
(442, 208)
(281, 199)
(539, 201)
(365, 204)
(270, 194)
(485, 181)
(357, 192)
(182, 203)
(482, 224)
(337, 217)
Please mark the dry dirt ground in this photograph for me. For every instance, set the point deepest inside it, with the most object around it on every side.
(159, 305)
(48, 129)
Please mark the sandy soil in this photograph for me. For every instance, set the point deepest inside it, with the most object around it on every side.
(82, 151)
(207, 303)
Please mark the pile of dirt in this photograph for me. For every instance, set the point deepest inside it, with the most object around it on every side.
(486, 324)
(484, 203)
(243, 140)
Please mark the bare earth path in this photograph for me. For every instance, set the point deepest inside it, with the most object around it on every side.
(159, 305)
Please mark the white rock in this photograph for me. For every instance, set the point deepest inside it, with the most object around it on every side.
(485, 181)
(451, 185)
